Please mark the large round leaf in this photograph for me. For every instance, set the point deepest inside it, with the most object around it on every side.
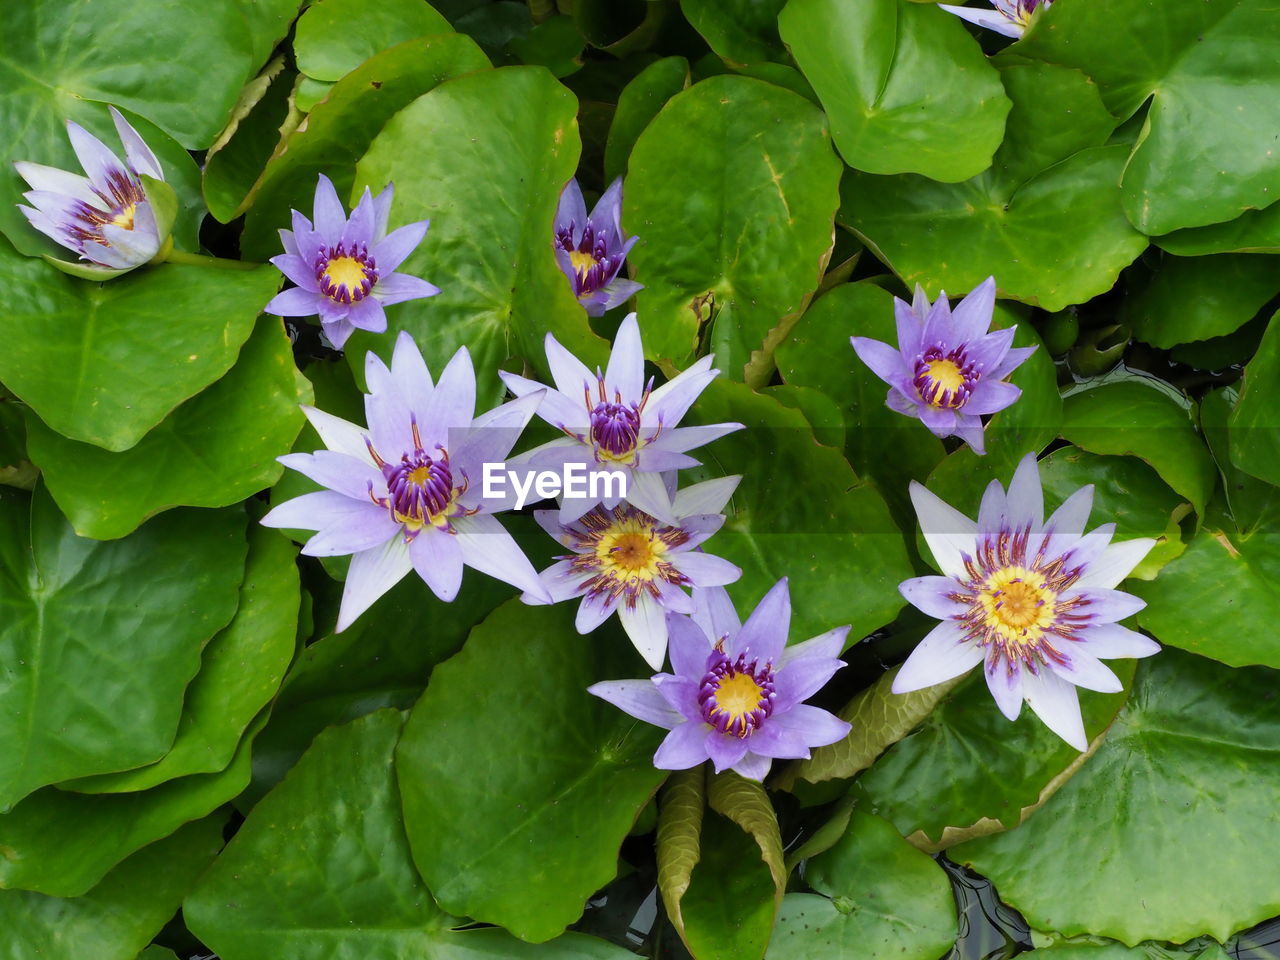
(339, 130)
(906, 87)
(879, 899)
(333, 37)
(104, 363)
(1195, 298)
(740, 31)
(967, 771)
(63, 843)
(1185, 784)
(485, 158)
(520, 824)
(1220, 597)
(800, 512)
(62, 59)
(119, 916)
(99, 640)
(240, 671)
(239, 426)
(283, 887)
(1136, 417)
(747, 254)
(1254, 231)
(1206, 152)
(1046, 219)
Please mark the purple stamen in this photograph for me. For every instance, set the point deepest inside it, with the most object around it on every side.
(935, 393)
(739, 723)
(339, 290)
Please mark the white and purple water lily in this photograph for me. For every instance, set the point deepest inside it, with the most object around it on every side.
(405, 493)
(344, 268)
(615, 422)
(591, 249)
(1010, 17)
(1033, 600)
(947, 369)
(737, 700)
(624, 560)
(106, 217)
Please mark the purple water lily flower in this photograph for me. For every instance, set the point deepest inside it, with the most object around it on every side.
(737, 700)
(1034, 600)
(591, 249)
(1010, 17)
(947, 369)
(406, 493)
(344, 268)
(105, 217)
(617, 422)
(624, 560)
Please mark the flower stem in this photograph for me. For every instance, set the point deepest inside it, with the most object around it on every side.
(200, 260)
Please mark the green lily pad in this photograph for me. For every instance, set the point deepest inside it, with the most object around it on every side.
(638, 103)
(1250, 501)
(581, 768)
(830, 533)
(484, 157)
(240, 671)
(1200, 600)
(1254, 426)
(283, 885)
(333, 37)
(384, 659)
(906, 87)
(216, 449)
(105, 363)
(742, 32)
(880, 899)
(1184, 785)
(748, 255)
(95, 681)
(1045, 220)
(1137, 418)
(119, 916)
(1206, 150)
(63, 844)
(967, 771)
(339, 131)
(1195, 298)
(1254, 231)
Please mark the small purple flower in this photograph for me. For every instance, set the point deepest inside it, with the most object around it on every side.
(406, 493)
(947, 369)
(105, 217)
(736, 701)
(615, 422)
(591, 249)
(625, 560)
(1010, 17)
(1034, 600)
(344, 268)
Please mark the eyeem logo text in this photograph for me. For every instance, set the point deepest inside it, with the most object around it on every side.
(573, 482)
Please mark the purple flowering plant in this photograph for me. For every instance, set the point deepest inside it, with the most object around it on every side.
(423, 642)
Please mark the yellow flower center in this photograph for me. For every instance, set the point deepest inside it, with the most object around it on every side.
(1017, 604)
(420, 475)
(738, 695)
(345, 271)
(946, 375)
(582, 262)
(630, 551)
(124, 218)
